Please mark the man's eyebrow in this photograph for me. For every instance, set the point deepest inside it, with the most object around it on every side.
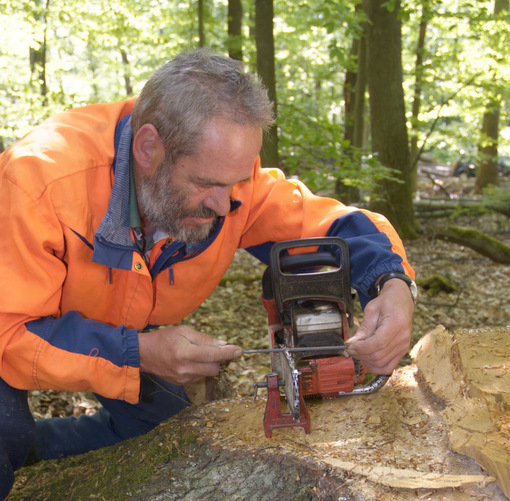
(212, 182)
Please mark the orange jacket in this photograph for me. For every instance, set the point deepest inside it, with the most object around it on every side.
(76, 291)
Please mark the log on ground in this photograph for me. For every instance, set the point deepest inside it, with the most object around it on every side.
(394, 444)
(480, 242)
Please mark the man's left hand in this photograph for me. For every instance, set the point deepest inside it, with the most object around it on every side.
(384, 335)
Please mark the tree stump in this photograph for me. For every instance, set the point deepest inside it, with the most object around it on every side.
(438, 430)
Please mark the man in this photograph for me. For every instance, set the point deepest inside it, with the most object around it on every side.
(121, 217)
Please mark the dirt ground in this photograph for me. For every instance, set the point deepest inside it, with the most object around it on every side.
(234, 311)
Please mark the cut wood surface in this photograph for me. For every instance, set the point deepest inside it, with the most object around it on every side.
(395, 444)
(470, 371)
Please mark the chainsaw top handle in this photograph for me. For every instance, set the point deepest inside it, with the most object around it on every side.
(308, 281)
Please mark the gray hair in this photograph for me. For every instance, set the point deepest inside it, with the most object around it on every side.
(194, 87)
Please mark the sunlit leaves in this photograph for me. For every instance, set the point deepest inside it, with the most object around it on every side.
(466, 60)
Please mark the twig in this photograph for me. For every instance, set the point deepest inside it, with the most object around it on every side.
(435, 183)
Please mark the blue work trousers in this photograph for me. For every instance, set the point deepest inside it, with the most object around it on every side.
(52, 438)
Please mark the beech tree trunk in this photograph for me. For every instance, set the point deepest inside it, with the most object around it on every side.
(418, 85)
(488, 170)
(266, 70)
(387, 113)
(418, 437)
(201, 29)
(235, 22)
(127, 72)
(38, 55)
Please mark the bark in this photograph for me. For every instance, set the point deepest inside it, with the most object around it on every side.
(350, 194)
(38, 57)
(127, 72)
(480, 242)
(201, 30)
(359, 136)
(387, 113)
(418, 87)
(266, 70)
(235, 19)
(393, 444)
(488, 172)
(350, 93)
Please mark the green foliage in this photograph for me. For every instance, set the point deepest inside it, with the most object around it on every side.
(321, 158)
(465, 62)
(105, 50)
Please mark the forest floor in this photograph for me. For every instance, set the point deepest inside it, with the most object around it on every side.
(234, 311)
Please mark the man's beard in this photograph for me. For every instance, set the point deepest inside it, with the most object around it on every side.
(165, 207)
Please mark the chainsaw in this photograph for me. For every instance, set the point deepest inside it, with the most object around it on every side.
(306, 291)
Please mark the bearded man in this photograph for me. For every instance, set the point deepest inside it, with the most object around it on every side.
(117, 218)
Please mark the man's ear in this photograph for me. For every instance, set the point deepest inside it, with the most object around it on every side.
(148, 149)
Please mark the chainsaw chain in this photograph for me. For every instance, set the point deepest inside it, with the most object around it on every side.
(290, 376)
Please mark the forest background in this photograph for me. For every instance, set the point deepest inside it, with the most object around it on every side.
(362, 90)
(375, 100)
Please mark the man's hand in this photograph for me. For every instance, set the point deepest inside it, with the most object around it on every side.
(181, 355)
(384, 335)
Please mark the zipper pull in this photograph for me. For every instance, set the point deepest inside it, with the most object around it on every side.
(171, 275)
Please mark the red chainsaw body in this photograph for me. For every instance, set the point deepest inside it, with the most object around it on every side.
(309, 310)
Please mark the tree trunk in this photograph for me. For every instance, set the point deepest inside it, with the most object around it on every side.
(359, 102)
(349, 194)
(266, 70)
(354, 97)
(468, 371)
(350, 93)
(393, 444)
(235, 20)
(418, 85)
(387, 113)
(488, 149)
(38, 57)
(201, 30)
(127, 73)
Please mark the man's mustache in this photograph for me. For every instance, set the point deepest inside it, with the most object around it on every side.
(201, 212)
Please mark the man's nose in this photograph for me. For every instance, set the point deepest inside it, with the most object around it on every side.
(218, 200)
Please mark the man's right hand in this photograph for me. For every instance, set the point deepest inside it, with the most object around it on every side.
(181, 355)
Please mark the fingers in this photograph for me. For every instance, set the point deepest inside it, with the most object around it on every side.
(384, 335)
(181, 355)
(203, 348)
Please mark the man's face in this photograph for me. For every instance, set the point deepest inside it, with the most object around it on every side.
(186, 199)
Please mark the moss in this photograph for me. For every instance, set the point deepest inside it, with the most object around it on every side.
(480, 242)
(437, 283)
(115, 472)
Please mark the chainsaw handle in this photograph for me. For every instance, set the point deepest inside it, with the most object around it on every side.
(292, 262)
(331, 285)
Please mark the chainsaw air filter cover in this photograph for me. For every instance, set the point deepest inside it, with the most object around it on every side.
(316, 323)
